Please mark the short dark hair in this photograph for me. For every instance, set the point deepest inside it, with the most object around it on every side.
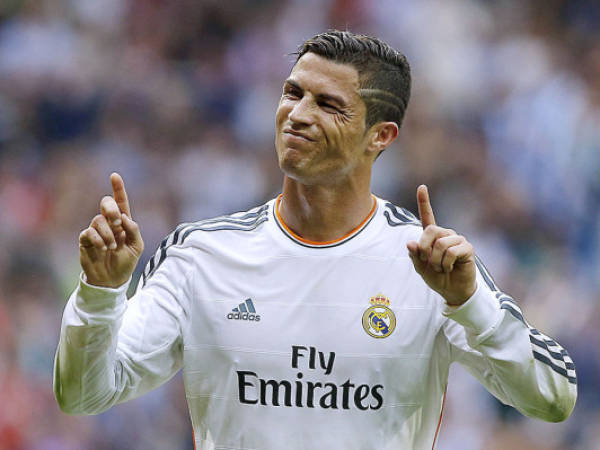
(384, 73)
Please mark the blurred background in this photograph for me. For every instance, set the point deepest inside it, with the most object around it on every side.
(179, 97)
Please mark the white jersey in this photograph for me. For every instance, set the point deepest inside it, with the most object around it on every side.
(287, 343)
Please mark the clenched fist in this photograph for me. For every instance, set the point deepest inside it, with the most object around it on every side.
(445, 260)
(110, 247)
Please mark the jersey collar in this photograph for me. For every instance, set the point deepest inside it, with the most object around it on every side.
(321, 244)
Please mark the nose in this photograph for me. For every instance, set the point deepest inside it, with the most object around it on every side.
(302, 112)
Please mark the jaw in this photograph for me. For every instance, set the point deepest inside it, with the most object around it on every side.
(312, 172)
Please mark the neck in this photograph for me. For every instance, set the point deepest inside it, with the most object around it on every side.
(324, 213)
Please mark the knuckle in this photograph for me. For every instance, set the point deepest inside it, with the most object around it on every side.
(98, 218)
(104, 223)
(109, 202)
(439, 245)
(88, 238)
(93, 235)
(98, 228)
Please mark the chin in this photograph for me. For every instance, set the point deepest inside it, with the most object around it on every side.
(291, 167)
(294, 168)
(291, 158)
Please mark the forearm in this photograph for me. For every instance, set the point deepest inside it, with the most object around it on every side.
(506, 359)
(86, 368)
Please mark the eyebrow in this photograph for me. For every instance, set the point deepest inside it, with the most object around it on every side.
(327, 97)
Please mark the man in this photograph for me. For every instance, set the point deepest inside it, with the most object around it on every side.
(326, 318)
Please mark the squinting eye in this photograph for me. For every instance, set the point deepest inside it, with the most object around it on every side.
(293, 94)
(330, 107)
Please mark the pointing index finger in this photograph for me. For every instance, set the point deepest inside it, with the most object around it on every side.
(119, 193)
(425, 210)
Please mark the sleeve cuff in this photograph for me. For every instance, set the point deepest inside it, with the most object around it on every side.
(479, 315)
(94, 298)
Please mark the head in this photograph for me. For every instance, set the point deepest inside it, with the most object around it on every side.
(341, 106)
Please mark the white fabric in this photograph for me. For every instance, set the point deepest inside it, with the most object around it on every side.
(309, 336)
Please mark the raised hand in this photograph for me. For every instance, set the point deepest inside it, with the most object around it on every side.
(444, 259)
(110, 247)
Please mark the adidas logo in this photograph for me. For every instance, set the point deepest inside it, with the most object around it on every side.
(245, 311)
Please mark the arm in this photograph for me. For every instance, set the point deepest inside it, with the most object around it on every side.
(520, 366)
(487, 331)
(112, 350)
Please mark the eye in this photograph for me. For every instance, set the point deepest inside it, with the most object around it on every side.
(329, 107)
(291, 92)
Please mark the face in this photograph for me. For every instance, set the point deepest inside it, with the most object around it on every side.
(321, 135)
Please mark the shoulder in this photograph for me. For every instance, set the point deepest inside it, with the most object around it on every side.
(398, 220)
(189, 234)
(398, 216)
(188, 238)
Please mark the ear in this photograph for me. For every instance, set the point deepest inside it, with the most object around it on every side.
(381, 135)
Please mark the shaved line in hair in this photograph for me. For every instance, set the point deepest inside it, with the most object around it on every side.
(381, 96)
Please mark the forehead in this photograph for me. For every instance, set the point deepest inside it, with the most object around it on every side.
(322, 76)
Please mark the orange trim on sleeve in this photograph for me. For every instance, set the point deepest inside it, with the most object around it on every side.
(308, 241)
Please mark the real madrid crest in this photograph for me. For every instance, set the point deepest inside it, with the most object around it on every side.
(379, 320)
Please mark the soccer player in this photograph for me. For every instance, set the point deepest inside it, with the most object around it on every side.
(326, 318)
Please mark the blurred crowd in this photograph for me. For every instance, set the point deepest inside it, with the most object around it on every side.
(179, 97)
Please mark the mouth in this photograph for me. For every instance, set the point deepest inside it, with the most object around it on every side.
(298, 134)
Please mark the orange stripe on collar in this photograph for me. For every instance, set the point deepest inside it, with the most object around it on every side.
(322, 243)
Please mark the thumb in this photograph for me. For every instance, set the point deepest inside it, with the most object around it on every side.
(134, 237)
